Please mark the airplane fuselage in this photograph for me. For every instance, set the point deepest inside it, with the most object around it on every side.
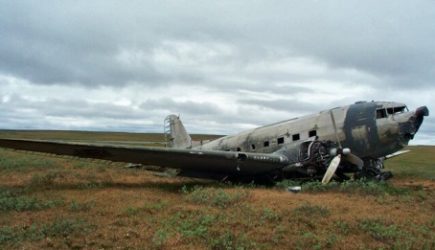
(370, 129)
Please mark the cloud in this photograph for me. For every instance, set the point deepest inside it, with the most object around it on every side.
(224, 65)
(105, 43)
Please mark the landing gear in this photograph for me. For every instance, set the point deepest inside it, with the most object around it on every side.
(341, 176)
(372, 170)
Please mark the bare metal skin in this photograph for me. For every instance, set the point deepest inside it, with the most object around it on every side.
(352, 139)
(373, 136)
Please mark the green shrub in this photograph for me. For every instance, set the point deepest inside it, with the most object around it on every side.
(270, 215)
(192, 225)
(7, 234)
(160, 237)
(310, 240)
(343, 227)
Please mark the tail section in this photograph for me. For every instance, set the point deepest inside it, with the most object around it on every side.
(175, 133)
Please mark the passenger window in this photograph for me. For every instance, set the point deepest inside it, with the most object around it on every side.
(296, 137)
(266, 144)
(390, 111)
(312, 133)
(280, 140)
(238, 149)
(253, 146)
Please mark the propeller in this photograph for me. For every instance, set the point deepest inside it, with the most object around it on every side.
(331, 169)
(346, 152)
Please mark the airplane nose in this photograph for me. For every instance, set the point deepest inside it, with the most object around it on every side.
(422, 111)
(410, 128)
(419, 115)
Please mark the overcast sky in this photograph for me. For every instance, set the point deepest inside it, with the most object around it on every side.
(224, 66)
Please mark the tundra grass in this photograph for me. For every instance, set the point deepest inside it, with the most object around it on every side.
(63, 203)
(419, 162)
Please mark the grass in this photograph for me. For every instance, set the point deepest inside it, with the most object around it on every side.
(229, 240)
(217, 197)
(58, 228)
(51, 202)
(270, 215)
(188, 225)
(10, 163)
(201, 228)
(379, 230)
(343, 227)
(45, 179)
(17, 201)
(309, 240)
(147, 207)
(359, 187)
(81, 207)
(308, 210)
(419, 162)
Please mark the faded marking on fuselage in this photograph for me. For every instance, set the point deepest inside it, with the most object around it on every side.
(361, 129)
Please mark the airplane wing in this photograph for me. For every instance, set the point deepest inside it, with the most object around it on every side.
(219, 162)
(401, 152)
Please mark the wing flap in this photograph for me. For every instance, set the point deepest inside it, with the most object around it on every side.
(221, 162)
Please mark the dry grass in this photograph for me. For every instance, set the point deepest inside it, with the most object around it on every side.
(96, 204)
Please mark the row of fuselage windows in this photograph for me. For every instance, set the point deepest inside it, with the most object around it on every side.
(281, 140)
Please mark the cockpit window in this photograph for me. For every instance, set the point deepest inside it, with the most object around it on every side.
(396, 110)
(400, 109)
(381, 113)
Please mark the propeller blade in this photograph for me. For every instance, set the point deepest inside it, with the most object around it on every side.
(354, 159)
(335, 128)
(331, 169)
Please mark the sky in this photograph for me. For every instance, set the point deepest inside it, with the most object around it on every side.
(224, 66)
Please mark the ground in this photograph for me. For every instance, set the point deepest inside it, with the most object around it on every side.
(62, 202)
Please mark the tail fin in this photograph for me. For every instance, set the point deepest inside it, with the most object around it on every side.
(175, 133)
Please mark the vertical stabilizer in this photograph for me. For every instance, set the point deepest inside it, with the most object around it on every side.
(175, 133)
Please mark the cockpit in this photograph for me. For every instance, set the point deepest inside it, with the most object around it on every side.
(388, 109)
